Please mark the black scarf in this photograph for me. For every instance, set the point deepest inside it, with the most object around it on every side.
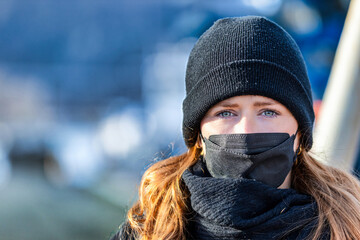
(246, 209)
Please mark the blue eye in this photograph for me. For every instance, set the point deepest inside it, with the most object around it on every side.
(225, 114)
(269, 113)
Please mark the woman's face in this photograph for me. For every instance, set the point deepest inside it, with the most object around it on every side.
(249, 114)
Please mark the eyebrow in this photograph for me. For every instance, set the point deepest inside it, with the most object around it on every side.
(261, 104)
(229, 105)
(256, 104)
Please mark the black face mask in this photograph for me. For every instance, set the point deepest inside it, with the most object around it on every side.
(265, 157)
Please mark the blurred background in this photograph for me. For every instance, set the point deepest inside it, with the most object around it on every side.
(91, 94)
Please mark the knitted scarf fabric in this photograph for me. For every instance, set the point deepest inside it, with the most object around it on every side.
(246, 209)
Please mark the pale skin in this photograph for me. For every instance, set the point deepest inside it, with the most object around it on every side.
(250, 114)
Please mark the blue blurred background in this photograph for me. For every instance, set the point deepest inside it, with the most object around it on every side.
(91, 94)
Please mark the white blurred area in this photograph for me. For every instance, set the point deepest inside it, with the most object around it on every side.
(121, 133)
(301, 18)
(266, 7)
(77, 156)
(164, 89)
(24, 100)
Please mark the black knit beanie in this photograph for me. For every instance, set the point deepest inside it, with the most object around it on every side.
(246, 56)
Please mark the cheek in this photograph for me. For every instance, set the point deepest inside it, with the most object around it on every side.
(208, 128)
(286, 124)
(217, 126)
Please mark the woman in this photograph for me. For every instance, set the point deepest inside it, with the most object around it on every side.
(248, 123)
